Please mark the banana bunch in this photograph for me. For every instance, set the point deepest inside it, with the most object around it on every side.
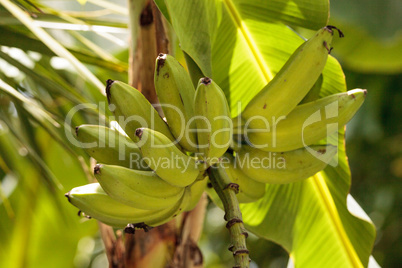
(160, 168)
(157, 170)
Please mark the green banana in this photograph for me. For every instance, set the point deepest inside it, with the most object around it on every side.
(304, 125)
(133, 110)
(94, 202)
(196, 190)
(110, 147)
(285, 167)
(214, 124)
(176, 95)
(136, 188)
(168, 162)
(250, 190)
(289, 86)
(179, 207)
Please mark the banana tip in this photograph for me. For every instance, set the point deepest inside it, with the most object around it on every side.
(97, 169)
(76, 131)
(129, 229)
(160, 62)
(206, 80)
(162, 56)
(138, 132)
(365, 92)
(331, 28)
(109, 83)
(68, 196)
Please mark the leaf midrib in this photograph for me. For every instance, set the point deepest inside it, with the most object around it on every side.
(238, 21)
(329, 204)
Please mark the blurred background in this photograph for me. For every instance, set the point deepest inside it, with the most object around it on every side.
(44, 168)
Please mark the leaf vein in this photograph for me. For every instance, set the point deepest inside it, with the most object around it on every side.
(265, 70)
(329, 204)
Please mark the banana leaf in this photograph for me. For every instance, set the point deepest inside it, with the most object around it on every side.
(196, 33)
(251, 42)
(13, 37)
(52, 43)
(38, 224)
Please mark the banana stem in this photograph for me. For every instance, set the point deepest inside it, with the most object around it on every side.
(226, 191)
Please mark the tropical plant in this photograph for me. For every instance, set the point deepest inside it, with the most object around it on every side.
(241, 45)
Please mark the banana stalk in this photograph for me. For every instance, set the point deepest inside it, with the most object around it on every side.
(226, 191)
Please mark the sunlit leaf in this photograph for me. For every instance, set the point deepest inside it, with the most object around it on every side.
(40, 228)
(310, 219)
(194, 23)
(89, 17)
(197, 30)
(309, 14)
(52, 43)
(14, 38)
(41, 114)
(110, 6)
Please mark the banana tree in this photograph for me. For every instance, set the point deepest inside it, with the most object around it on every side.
(239, 45)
